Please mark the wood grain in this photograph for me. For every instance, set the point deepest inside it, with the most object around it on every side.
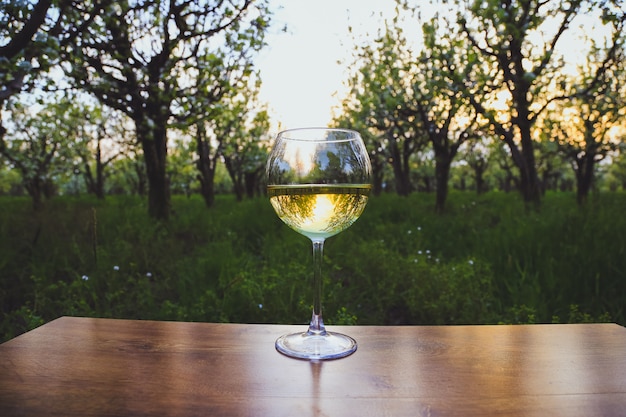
(102, 367)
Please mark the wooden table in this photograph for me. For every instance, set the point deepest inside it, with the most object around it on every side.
(102, 367)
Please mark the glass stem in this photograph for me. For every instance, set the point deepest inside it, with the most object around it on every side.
(317, 323)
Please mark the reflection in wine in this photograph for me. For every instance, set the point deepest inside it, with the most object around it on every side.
(319, 210)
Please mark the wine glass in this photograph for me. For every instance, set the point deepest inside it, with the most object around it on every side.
(318, 181)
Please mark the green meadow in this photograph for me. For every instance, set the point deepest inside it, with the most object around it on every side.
(487, 259)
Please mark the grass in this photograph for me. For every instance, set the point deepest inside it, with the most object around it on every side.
(486, 260)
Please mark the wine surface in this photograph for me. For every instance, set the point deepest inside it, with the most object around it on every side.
(319, 211)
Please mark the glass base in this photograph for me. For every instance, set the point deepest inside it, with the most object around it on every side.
(313, 346)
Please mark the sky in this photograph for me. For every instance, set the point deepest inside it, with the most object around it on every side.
(302, 79)
(304, 69)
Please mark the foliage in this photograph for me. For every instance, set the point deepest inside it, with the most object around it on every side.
(486, 260)
(40, 146)
(379, 105)
(509, 60)
(485, 72)
(585, 129)
(239, 127)
(164, 64)
(10, 180)
(29, 48)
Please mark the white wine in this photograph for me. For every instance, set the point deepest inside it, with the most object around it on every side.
(319, 211)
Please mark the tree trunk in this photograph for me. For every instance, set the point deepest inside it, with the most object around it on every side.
(207, 188)
(154, 144)
(442, 173)
(462, 184)
(206, 168)
(99, 191)
(236, 176)
(400, 170)
(445, 151)
(529, 179)
(377, 175)
(251, 181)
(530, 185)
(238, 187)
(403, 185)
(524, 159)
(479, 176)
(99, 185)
(140, 185)
(480, 182)
(34, 188)
(586, 163)
(584, 176)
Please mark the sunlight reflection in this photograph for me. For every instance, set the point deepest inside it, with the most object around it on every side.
(323, 212)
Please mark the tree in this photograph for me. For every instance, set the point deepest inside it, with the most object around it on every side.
(209, 151)
(444, 112)
(241, 128)
(514, 48)
(379, 97)
(233, 132)
(550, 164)
(162, 62)
(31, 32)
(584, 128)
(102, 136)
(476, 155)
(181, 169)
(128, 174)
(38, 147)
(502, 167)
